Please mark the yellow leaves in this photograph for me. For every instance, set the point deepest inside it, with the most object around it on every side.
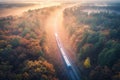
(40, 66)
(33, 63)
(30, 64)
(37, 70)
(49, 66)
(87, 63)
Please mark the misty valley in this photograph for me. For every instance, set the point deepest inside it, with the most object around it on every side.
(69, 41)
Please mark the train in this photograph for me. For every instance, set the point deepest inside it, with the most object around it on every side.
(67, 62)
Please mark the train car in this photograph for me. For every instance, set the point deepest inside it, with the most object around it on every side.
(67, 62)
(62, 52)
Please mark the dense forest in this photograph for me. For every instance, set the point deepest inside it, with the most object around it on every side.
(94, 32)
(22, 47)
(96, 38)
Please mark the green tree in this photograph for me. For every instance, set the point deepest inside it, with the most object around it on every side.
(109, 54)
(15, 42)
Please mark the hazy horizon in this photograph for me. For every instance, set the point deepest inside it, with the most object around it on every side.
(57, 0)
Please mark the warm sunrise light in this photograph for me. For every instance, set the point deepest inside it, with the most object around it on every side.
(59, 40)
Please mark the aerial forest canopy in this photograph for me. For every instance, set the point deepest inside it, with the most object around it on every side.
(95, 35)
(60, 42)
(22, 47)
